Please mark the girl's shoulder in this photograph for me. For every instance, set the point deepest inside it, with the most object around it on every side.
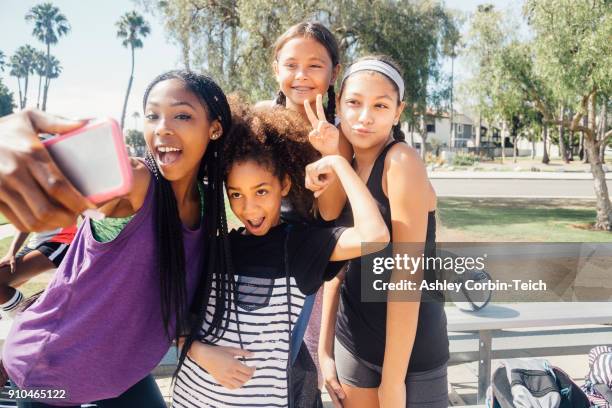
(404, 157)
(133, 201)
(404, 166)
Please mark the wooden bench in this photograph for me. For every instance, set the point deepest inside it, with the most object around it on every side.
(495, 317)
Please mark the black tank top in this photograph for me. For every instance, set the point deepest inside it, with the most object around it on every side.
(360, 326)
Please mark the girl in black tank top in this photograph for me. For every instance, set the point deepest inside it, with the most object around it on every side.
(360, 327)
(369, 109)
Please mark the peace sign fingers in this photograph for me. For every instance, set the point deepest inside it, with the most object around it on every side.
(315, 119)
(312, 117)
(324, 136)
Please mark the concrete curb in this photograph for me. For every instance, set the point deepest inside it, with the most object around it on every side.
(512, 175)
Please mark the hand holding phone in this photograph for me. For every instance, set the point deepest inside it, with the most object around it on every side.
(34, 194)
(95, 160)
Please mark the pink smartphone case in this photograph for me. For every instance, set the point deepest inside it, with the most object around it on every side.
(125, 169)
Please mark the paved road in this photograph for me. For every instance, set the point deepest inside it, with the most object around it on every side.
(467, 186)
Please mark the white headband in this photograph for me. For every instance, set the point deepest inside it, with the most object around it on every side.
(377, 66)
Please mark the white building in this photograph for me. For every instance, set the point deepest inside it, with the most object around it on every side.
(439, 129)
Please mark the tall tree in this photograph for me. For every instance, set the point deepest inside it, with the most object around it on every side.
(54, 69)
(570, 61)
(487, 34)
(417, 34)
(131, 28)
(40, 69)
(233, 39)
(16, 70)
(49, 25)
(22, 66)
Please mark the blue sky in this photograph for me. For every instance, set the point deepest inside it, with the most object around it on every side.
(96, 66)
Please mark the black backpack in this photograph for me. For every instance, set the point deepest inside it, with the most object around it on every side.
(539, 382)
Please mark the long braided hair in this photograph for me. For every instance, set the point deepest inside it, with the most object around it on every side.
(170, 249)
(321, 34)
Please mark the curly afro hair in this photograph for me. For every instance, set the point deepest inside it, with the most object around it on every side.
(277, 139)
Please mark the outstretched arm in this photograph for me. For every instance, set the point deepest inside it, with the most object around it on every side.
(369, 225)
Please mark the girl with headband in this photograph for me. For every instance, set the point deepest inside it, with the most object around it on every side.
(122, 293)
(393, 353)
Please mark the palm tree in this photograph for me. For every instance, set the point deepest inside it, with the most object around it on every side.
(22, 66)
(49, 25)
(54, 69)
(130, 28)
(40, 69)
(16, 70)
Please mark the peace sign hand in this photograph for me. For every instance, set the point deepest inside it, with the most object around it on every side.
(324, 136)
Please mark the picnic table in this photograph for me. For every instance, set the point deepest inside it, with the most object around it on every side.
(495, 317)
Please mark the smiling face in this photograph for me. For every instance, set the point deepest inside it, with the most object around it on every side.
(303, 69)
(177, 129)
(255, 195)
(368, 108)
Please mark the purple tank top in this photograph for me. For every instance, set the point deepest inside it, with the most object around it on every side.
(97, 330)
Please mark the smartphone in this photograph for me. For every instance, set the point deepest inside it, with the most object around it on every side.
(95, 160)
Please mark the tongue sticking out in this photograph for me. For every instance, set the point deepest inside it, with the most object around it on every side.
(169, 157)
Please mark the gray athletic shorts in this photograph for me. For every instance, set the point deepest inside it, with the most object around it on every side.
(424, 389)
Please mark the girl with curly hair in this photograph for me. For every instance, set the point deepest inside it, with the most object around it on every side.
(276, 264)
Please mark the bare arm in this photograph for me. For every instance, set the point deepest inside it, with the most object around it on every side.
(18, 240)
(331, 298)
(332, 200)
(369, 225)
(9, 258)
(407, 189)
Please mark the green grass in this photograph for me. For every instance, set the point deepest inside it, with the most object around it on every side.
(521, 221)
(33, 286)
(3, 220)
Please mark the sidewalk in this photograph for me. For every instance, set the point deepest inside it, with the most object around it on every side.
(7, 230)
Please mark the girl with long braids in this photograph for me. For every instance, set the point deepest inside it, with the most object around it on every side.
(275, 265)
(122, 293)
(393, 353)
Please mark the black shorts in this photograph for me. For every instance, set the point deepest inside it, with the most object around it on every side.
(55, 251)
(424, 389)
